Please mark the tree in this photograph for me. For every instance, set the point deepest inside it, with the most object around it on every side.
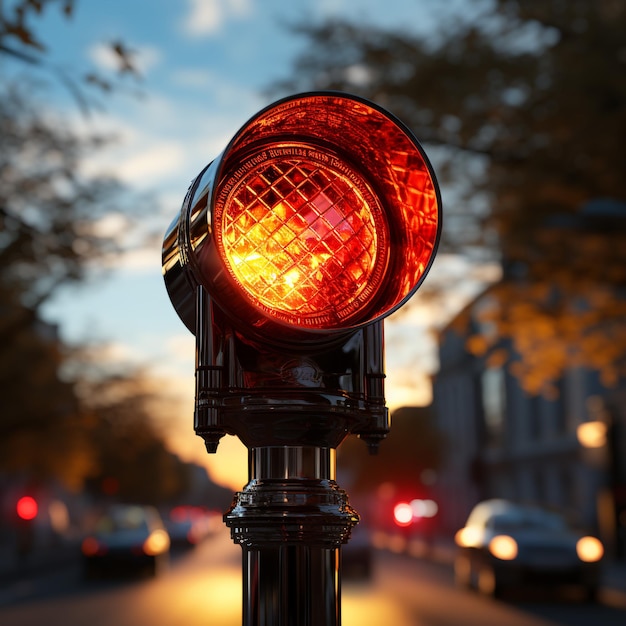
(20, 42)
(49, 234)
(413, 446)
(42, 428)
(131, 460)
(523, 107)
(49, 212)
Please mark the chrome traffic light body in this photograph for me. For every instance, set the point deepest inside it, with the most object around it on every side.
(319, 219)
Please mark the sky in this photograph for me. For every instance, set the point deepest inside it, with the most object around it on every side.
(204, 65)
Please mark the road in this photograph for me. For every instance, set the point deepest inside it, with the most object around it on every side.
(204, 587)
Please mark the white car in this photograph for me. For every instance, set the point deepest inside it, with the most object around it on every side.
(505, 545)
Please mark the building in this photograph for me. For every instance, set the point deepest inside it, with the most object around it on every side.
(503, 441)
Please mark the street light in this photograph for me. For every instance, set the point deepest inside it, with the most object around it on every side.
(592, 434)
(600, 441)
(319, 219)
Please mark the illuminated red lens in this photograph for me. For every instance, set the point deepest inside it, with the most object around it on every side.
(302, 234)
(403, 514)
(321, 214)
(27, 508)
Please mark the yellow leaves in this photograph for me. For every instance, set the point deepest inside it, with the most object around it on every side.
(497, 359)
(539, 332)
(477, 345)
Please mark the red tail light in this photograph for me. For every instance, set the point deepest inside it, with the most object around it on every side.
(92, 547)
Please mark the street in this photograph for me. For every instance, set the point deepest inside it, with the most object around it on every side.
(203, 586)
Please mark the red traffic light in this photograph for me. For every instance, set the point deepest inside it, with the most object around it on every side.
(306, 243)
(27, 508)
(403, 514)
(320, 218)
(406, 513)
(322, 214)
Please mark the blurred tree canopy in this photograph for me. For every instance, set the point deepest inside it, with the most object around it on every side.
(129, 458)
(414, 446)
(41, 432)
(20, 41)
(522, 108)
(49, 212)
(79, 427)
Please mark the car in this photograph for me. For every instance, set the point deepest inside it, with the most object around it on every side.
(505, 545)
(126, 539)
(188, 526)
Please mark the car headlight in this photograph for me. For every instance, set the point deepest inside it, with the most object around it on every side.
(156, 543)
(589, 549)
(467, 537)
(503, 547)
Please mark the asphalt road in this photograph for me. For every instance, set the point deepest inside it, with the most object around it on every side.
(203, 587)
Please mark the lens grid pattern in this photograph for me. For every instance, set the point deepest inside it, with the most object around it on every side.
(301, 238)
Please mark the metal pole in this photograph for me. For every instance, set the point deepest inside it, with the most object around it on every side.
(290, 520)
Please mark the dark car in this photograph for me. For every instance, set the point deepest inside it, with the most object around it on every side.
(506, 545)
(188, 526)
(126, 539)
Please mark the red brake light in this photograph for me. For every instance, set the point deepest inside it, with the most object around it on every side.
(91, 546)
(304, 238)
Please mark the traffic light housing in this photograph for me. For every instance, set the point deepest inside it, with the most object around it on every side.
(320, 218)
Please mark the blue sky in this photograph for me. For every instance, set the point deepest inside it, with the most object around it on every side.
(205, 64)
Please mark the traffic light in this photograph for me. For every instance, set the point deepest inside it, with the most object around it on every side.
(403, 514)
(320, 218)
(27, 508)
(418, 510)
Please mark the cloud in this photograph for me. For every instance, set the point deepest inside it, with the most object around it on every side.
(116, 353)
(206, 17)
(181, 347)
(135, 260)
(418, 393)
(160, 143)
(194, 77)
(150, 164)
(111, 225)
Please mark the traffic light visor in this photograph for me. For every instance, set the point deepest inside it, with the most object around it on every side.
(322, 214)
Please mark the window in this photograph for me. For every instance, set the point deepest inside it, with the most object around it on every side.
(494, 397)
